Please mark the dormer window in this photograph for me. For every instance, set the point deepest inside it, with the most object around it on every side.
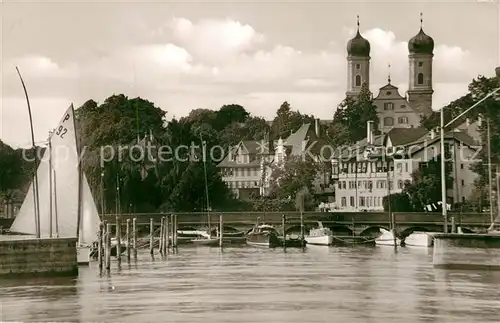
(388, 93)
(358, 66)
(420, 64)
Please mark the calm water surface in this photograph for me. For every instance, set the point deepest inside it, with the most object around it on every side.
(321, 284)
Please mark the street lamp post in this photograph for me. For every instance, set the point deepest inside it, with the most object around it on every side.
(443, 172)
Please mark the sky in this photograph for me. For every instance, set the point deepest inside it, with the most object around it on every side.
(188, 55)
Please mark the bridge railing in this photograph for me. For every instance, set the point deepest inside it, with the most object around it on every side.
(336, 217)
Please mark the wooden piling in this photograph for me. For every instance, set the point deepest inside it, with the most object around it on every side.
(167, 233)
(151, 236)
(134, 236)
(283, 222)
(174, 231)
(100, 244)
(221, 230)
(118, 238)
(128, 240)
(393, 225)
(108, 246)
(162, 227)
(302, 233)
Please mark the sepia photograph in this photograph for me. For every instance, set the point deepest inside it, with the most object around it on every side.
(250, 161)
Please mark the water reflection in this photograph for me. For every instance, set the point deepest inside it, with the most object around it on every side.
(198, 284)
(39, 298)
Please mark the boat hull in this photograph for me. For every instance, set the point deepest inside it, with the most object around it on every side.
(320, 240)
(387, 239)
(206, 242)
(419, 239)
(263, 240)
(83, 255)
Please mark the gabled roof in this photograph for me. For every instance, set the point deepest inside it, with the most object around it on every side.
(401, 136)
(427, 140)
(388, 87)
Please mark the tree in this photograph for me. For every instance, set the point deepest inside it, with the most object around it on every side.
(287, 121)
(351, 117)
(296, 174)
(425, 187)
(400, 202)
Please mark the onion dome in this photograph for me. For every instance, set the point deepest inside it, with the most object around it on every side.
(358, 46)
(421, 43)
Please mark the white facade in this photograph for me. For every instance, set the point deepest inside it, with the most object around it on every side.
(361, 185)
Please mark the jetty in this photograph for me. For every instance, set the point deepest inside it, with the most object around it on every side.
(467, 251)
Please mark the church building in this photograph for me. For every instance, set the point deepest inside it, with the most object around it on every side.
(394, 110)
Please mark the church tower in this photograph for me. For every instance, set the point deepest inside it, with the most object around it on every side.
(358, 64)
(420, 90)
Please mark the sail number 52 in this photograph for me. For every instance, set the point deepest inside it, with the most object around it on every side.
(61, 131)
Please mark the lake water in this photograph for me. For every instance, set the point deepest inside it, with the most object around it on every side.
(243, 284)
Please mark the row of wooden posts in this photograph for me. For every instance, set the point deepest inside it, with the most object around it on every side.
(167, 238)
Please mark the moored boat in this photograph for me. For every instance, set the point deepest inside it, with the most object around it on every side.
(320, 236)
(419, 239)
(263, 235)
(387, 238)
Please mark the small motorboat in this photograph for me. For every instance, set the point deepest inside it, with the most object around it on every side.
(320, 236)
(419, 239)
(387, 238)
(263, 235)
(206, 239)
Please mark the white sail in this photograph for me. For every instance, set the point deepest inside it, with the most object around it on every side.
(64, 157)
(89, 225)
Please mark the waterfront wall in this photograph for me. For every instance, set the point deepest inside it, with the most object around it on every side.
(467, 251)
(55, 257)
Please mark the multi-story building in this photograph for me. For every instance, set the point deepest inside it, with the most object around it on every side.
(247, 168)
(379, 165)
(393, 109)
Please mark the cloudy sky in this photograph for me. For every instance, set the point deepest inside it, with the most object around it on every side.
(192, 55)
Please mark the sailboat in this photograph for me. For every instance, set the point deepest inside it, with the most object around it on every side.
(206, 239)
(67, 208)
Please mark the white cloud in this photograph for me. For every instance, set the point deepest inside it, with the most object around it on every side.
(38, 66)
(209, 63)
(215, 40)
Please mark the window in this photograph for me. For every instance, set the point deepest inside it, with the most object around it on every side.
(351, 201)
(399, 167)
(361, 201)
(463, 182)
(352, 185)
(403, 106)
(358, 66)
(343, 201)
(358, 80)
(461, 166)
(420, 64)
(406, 167)
(388, 121)
(403, 120)
(388, 93)
(420, 79)
(400, 184)
(389, 106)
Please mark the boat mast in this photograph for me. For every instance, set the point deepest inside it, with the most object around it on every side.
(206, 184)
(50, 184)
(36, 196)
(79, 219)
